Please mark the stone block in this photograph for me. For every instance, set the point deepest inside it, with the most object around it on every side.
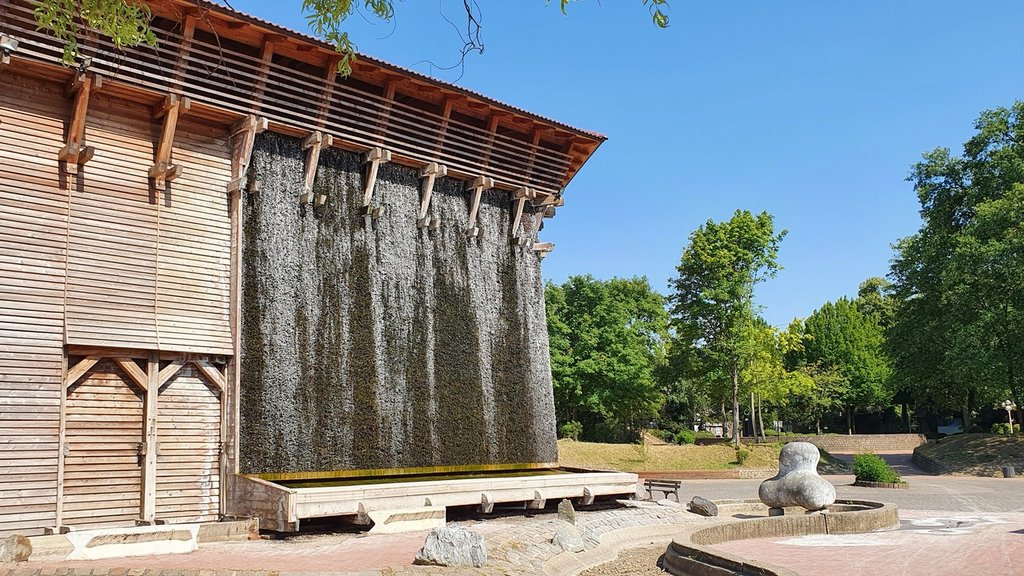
(452, 546)
(15, 548)
(798, 483)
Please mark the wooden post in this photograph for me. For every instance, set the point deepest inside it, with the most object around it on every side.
(329, 77)
(75, 151)
(150, 447)
(374, 158)
(266, 57)
(446, 115)
(385, 115)
(62, 444)
(521, 195)
(162, 170)
(313, 144)
(476, 188)
(243, 137)
(429, 174)
(492, 133)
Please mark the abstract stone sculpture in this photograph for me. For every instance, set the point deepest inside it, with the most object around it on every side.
(452, 546)
(798, 483)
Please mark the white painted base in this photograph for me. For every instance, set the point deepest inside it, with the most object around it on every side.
(407, 520)
(105, 543)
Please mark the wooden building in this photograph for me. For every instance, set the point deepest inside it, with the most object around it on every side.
(120, 190)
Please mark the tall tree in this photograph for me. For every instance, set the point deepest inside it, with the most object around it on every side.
(607, 344)
(712, 300)
(842, 339)
(958, 331)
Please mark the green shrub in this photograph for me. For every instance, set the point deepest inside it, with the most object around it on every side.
(872, 468)
(742, 455)
(703, 434)
(571, 430)
(771, 432)
(685, 436)
(1004, 428)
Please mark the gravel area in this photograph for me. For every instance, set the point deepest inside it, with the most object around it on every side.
(631, 562)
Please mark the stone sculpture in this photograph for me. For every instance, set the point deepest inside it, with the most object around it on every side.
(798, 483)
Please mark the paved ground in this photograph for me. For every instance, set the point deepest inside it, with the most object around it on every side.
(953, 525)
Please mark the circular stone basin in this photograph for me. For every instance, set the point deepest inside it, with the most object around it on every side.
(691, 552)
(895, 485)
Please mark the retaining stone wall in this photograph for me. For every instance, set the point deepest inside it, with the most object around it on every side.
(857, 443)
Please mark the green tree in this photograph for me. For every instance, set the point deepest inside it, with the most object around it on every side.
(842, 339)
(957, 337)
(766, 375)
(712, 300)
(607, 343)
(126, 22)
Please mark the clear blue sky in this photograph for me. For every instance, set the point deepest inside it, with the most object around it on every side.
(813, 110)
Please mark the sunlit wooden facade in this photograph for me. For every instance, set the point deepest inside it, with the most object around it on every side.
(120, 185)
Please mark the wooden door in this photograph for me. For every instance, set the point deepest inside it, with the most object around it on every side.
(104, 434)
(188, 453)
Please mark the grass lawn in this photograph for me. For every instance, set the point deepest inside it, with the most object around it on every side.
(969, 453)
(633, 458)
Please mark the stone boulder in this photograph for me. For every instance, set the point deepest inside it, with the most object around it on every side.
(566, 512)
(16, 548)
(798, 483)
(568, 538)
(702, 506)
(452, 546)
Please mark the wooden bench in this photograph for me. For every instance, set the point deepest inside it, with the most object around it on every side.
(665, 486)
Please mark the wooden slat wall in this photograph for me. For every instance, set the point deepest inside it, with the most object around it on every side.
(111, 281)
(102, 472)
(33, 220)
(188, 461)
(194, 263)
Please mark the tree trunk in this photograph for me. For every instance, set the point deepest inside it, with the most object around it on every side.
(849, 421)
(760, 417)
(735, 403)
(817, 421)
(753, 419)
(967, 415)
(906, 415)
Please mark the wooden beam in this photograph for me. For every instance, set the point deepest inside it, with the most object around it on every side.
(147, 510)
(134, 372)
(476, 188)
(534, 149)
(169, 371)
(215, 376)
(313, 144)
(385, 115)
(374, 158)
(75, 151)
(188, 29)
(61, 430)
(330, 77)
(243, 137)
(542, 249)
(492, 133)
(446, 114)
(170, 110)
(266, 57)
(429, 174)
(79, 370)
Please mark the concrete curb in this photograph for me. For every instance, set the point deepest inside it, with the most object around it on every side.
(691, 553)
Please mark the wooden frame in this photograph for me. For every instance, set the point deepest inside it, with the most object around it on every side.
(75, 151)
(476, 189)
(373, 158)
(313, 144)
(428, 175)
(170, 110)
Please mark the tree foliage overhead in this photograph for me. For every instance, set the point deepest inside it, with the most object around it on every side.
(607, 342)
(958, 331)
(712, 299)
(127, 22)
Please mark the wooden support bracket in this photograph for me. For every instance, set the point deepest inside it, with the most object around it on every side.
(79, 370)
(542, 249)
(75, 151)
(8, 44)
(477, 187)
(374, 158)
(429, 174)
(215, 376)
(538, 501)
(134, 372)
(169, 371)
(243, 137)
(313, 144)
(521, 196)
(486, 503)
(170, 110)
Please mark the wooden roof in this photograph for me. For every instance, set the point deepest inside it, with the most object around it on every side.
(231, 64)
